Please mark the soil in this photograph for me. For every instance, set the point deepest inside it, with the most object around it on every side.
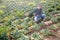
(51, 38)
(56, 32)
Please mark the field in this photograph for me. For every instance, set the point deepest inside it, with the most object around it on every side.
(16, 20)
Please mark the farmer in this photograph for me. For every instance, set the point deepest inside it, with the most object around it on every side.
(38, 14)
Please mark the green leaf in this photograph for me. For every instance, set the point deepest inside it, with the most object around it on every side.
(45, 32)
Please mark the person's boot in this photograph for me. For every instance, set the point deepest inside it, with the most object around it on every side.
(38, 22)
(42, 19)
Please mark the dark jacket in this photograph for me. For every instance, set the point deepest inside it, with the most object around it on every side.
(36, 12)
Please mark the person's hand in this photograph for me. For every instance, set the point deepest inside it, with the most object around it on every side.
(26, 14)
(34, 14)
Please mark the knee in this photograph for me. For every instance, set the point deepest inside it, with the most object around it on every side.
(43, 15)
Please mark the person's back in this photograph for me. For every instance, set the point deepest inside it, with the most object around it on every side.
(37, 12)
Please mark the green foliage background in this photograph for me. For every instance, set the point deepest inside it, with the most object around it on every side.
(12, 15)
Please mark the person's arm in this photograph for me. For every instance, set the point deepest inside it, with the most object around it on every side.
(32, 13)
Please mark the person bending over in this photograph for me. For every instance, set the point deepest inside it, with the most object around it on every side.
(38, 14)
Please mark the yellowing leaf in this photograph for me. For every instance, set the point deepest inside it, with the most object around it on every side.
(6, 19)
(2, 6)
(43, 1)
(32, 3)
(1, 12)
